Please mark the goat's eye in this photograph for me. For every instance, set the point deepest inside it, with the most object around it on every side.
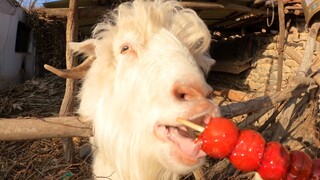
(124, 49)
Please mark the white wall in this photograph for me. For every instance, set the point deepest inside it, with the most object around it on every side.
(11, 61)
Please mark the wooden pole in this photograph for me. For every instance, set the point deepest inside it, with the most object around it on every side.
(67, 106)
(310, 46)
(281, 42)
(14, 129)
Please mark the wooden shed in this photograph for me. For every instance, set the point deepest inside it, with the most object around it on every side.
(231, 20)
(17, 46)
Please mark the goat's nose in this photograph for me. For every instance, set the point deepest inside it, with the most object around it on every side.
(184, 92)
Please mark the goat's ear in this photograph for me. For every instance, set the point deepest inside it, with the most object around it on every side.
(86, 47)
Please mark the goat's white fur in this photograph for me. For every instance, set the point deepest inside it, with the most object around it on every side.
(126, 94)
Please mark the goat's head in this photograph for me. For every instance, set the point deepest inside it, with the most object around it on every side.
(149, 69)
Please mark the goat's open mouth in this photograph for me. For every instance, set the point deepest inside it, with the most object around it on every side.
(182, 139)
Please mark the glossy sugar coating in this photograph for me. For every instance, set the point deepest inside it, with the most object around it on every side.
(248, 151)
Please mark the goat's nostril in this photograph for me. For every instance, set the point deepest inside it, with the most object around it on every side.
(182, 96)
(185, 97)
(185, 93)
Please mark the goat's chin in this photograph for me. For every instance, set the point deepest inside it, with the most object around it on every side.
(176, 161)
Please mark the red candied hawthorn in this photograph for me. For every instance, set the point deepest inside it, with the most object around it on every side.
(316, 169)
(219, 137)
(248, 152)
(301, 166)
(275, 162)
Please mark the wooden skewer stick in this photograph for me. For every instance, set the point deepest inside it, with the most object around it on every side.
(190, 124)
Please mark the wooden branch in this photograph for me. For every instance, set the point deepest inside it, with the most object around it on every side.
(214, 5)
(272, 118)
(303, 126)
(281, 43)
(199, 174)
(42, 128)
(202, 5)
(233, 95)
(98, 11)
(253, 117)
(240, 8)
(59, 13)
(219, 167)
(315, 67)
(310, 46)
(284, 119)
(293, 54)
(288, 116)
(315, 71)
(67, 105)
(84, 13)
(235, 109)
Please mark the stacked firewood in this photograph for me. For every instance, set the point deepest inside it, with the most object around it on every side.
(50, 40)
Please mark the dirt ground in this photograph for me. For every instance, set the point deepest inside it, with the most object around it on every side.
(38, 159)
(44, 159)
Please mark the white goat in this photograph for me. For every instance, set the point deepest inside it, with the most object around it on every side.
(149, 68)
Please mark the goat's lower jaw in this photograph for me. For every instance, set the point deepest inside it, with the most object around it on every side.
(185, 158)
(183, 148)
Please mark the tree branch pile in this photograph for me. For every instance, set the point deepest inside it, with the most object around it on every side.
(50, 39)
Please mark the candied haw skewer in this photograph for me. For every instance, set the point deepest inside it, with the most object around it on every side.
(222, 133)
(248, 151)
(315, 170)
(301, 166)
(275, 163)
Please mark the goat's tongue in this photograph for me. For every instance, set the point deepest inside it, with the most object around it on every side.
(186, 144)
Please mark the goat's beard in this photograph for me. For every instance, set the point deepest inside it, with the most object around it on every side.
(126, 143)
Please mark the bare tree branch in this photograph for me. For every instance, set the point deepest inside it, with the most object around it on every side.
(41, 128)
(253, 105)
